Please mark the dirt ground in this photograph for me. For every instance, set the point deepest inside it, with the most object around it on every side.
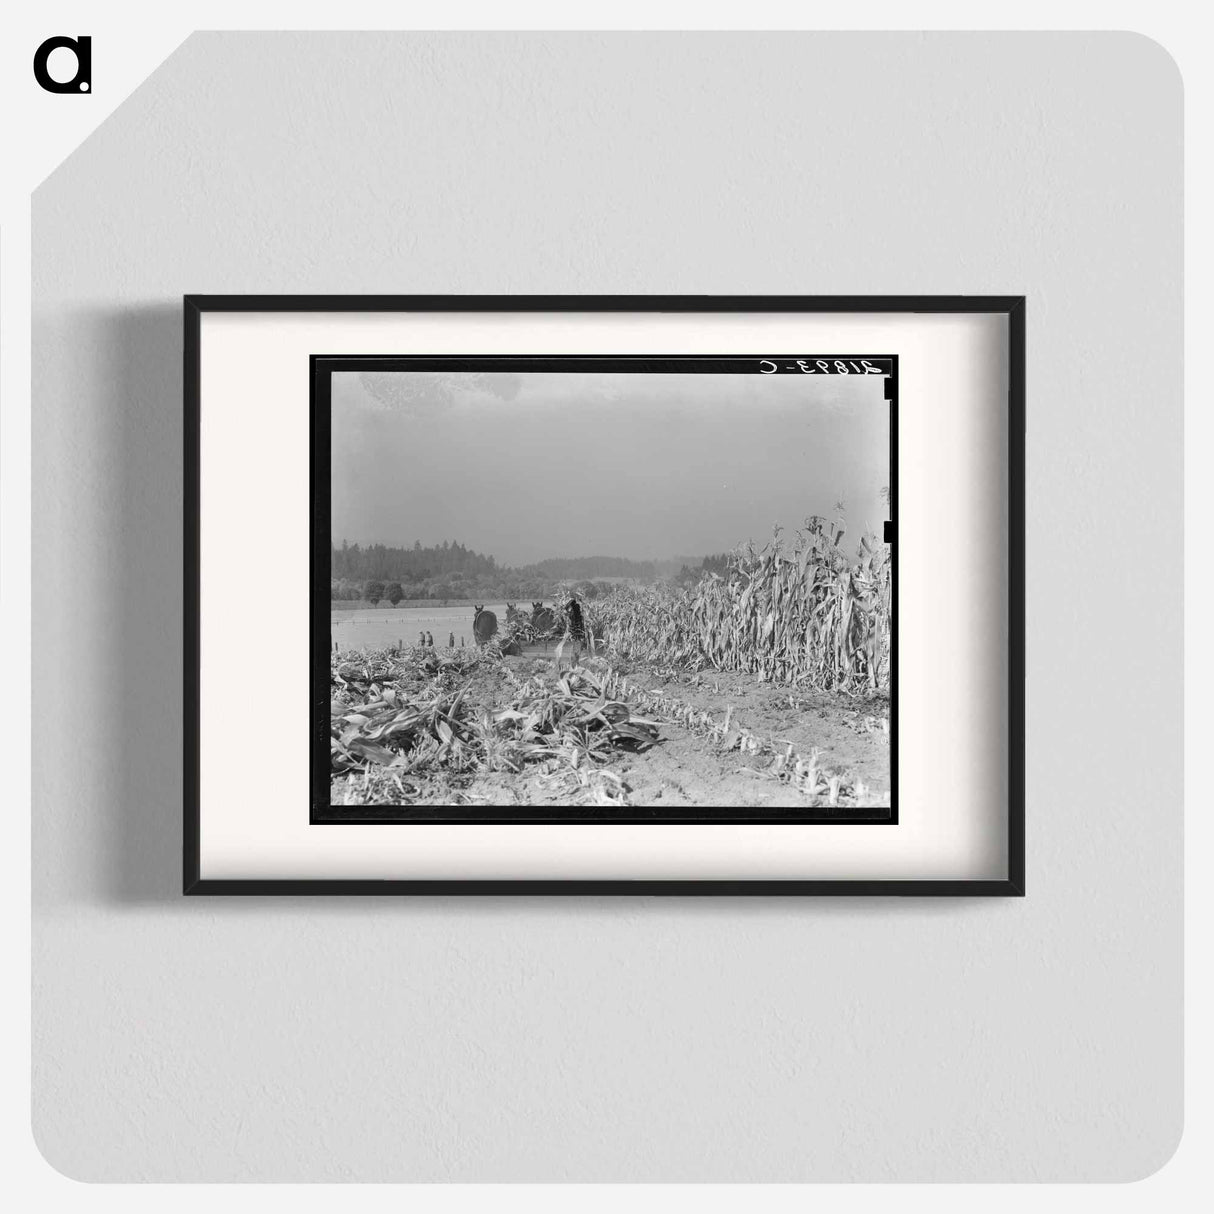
(686, 769)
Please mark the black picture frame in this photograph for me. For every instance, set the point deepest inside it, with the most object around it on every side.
(1011, 306)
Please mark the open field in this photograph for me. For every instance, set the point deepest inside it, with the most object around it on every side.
(382, 628)
(354, 607)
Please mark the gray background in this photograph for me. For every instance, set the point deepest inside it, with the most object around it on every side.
(629, 1039)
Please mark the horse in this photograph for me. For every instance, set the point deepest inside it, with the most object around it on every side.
(542, 618)
(513, 614)
(484, 625)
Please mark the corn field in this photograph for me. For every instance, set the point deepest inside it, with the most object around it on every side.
(419, 726)
(799, 610)
(389, 736)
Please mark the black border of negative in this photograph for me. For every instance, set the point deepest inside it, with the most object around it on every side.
(195, 305)
(323, 367)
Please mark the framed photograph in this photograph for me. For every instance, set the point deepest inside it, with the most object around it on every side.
(615, 594)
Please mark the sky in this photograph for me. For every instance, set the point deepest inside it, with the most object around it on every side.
(645, 466)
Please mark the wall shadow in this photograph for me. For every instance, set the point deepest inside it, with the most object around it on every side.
(141, 398)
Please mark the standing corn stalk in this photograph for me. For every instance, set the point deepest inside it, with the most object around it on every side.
(800, 612)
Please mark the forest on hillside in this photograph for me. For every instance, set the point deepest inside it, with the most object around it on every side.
(378, 572)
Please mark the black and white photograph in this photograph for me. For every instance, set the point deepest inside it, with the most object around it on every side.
(633, 589)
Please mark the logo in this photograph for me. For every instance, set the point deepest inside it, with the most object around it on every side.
(82, 81)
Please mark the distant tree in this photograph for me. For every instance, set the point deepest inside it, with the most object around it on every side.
(394, 593)
(450, 570)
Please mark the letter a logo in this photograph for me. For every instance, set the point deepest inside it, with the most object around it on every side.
(82, 81)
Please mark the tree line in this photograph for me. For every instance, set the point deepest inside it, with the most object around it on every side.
(578, 567)
(379, 562)
(689, 575)
(380, 573)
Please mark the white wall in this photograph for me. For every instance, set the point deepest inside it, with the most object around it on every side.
(625, 1039)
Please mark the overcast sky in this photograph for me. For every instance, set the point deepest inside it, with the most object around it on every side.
(528, 466)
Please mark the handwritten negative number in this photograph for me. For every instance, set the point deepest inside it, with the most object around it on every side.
(823, 366)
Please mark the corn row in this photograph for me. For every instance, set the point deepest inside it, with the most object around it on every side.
(793, 612)
(805, 774)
